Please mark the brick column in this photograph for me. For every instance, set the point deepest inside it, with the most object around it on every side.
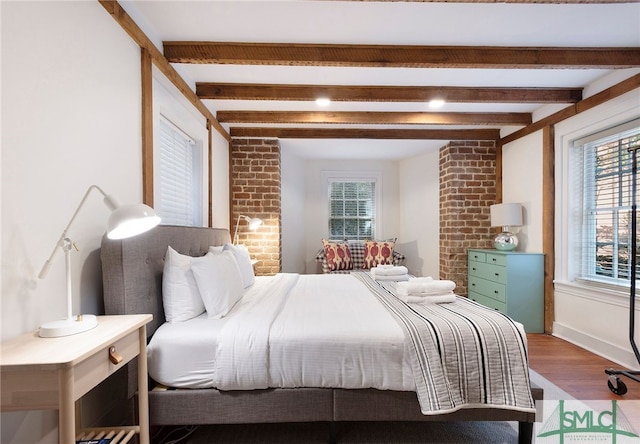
(255, 192)
(467, 189)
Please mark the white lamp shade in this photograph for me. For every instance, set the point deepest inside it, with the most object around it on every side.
(254, 223)
(131, 220)
(506, 215)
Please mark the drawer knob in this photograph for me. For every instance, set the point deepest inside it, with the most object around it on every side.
(497, 274)
(114, 356)
(474, 268)
(494, 259)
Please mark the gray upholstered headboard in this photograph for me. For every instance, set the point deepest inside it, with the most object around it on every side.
(132, 268)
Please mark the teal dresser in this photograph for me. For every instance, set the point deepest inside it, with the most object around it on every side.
(510, 282)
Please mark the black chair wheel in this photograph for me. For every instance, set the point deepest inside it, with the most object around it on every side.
(617, 386)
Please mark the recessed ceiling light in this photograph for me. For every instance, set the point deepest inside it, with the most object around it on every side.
(436, 103)
(323, 101)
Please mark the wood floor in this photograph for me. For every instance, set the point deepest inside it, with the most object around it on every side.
(575, 370)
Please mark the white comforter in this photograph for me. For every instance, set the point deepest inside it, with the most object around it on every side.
(288, 331)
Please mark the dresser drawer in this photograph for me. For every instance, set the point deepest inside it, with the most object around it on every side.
(496, 259)
(493, 290)
(477, 256)
(488, 302)
(490, 272)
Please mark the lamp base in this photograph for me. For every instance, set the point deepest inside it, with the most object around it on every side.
(68, 327)
(505, 241)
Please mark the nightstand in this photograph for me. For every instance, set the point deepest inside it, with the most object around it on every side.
(52, 373)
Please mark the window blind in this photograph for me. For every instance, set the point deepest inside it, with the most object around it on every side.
(178, 184)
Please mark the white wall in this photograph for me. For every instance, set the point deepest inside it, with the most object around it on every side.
(316, 204)
(522, 182)
(419, 235)
(220, 181)
(71, 117)
(292, 212)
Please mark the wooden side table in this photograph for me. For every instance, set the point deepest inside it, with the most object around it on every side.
(52, 373)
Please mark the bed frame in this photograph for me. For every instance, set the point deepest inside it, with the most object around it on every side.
(132, 277)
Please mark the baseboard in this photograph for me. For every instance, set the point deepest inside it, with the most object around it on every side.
(607, 350)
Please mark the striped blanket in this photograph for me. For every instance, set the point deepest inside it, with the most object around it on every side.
(462, 354)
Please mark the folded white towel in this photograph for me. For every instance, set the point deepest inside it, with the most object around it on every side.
(422, 280)
(402, 291)
(393, 277)
(438, 299)
(423, 287)
(389, 270)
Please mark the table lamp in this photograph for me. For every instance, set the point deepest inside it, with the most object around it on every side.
(254, 223)
(506, 215)
(124, 221)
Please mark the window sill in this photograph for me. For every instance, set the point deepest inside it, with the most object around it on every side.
(595, 291)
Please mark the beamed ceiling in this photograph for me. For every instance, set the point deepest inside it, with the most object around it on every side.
(258, 67)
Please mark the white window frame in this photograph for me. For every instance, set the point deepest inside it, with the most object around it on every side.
(328, 177)
(170, 104)
(586, 249)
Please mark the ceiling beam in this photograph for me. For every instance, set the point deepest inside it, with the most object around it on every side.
(374, 118)
(345, 93)
(359, 133)
(491, 57)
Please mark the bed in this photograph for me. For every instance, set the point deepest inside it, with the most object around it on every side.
(132, 277)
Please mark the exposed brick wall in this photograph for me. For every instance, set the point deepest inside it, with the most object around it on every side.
(467, 189)
(255, 192)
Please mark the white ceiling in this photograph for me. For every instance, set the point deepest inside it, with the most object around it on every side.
(386, 23)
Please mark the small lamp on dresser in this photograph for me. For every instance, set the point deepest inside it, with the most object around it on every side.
(506, 215)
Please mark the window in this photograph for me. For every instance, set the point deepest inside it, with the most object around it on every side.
(605, 161)
(178, 186)
(352, 209)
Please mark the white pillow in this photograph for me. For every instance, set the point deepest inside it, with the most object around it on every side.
(180, 295)
(244, 263)
(219, 282)
(216, 249)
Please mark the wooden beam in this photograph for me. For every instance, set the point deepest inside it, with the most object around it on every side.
(548, 221)
(403, 56)
(597, 99)
(498, 177)
(147, 126)
(381, 118)
(358, 133)
(134, 31)
(345, 93)
(210, 170)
